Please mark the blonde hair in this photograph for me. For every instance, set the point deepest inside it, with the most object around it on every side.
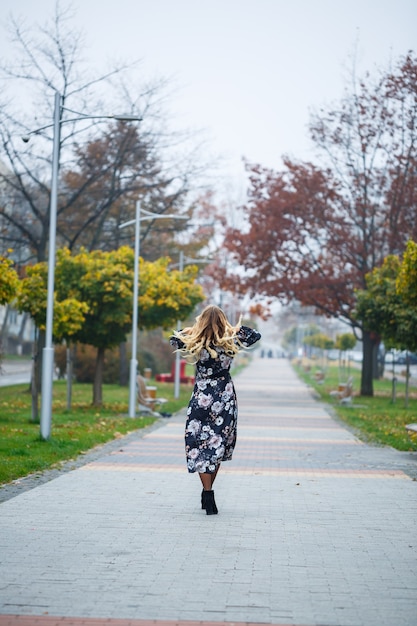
(211, 328)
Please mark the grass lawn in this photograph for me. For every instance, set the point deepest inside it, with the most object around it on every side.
(74, 432)
(22, 451)
(376, 419)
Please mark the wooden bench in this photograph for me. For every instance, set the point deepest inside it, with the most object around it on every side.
(344, 392)
(146, 397)
(411, 429)
(319, 376)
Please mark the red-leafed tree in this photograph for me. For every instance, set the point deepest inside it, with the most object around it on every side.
(315, 231)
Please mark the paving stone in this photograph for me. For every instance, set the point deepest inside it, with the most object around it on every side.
(315, 527)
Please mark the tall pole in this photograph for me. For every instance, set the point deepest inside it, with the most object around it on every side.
(48, 351)
(147, 215)
(133, 360)
(177, 354)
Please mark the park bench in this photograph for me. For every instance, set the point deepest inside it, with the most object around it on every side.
(344, 392)
(146, 397)
(319, 376)
(411, 429)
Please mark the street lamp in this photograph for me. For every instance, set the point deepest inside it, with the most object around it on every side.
(148, 215)
(48, 351)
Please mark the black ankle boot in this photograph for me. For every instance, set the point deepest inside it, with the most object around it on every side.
(210, 504)
(203, 502)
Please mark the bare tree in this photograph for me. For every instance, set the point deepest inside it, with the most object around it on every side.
(104, 167)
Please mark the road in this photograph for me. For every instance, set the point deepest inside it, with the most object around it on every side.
(14, 372)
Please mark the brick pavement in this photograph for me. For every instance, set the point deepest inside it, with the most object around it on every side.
(315, 527)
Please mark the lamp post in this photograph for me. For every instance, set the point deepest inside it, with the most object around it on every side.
(48, 351)
(148, 215)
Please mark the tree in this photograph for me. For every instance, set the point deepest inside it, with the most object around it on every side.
(406, 287)
(101, 186)
(382, 310)
(9, 280)
(69, 316)
(107, 286)
(8, 286)
(343, 343)
(406, 283)
(322, 342)
(387, 306)
(69, 313)
(99, 285)
(101, 170)
(105, 167)
(315, 231)
(295, 336)
(319, 340)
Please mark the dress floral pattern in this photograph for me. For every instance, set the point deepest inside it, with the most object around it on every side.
(210, 429)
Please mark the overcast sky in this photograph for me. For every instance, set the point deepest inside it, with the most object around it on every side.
(248, 70)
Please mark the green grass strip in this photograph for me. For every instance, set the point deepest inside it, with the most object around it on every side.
(378, 419)
(74, 431)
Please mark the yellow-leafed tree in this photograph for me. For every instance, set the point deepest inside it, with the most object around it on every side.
(8, 280)
(99, 285)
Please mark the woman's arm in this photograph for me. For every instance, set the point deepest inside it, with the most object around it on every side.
(176, 342)
(248, 336)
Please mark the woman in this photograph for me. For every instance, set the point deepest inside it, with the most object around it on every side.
(210, 432)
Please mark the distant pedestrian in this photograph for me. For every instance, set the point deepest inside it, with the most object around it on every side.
(210, 432)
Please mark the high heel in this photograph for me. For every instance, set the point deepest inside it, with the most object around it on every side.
(215, 510)
(210, 504)
(203, 503)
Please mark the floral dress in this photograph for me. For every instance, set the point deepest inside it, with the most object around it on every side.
(210, 430)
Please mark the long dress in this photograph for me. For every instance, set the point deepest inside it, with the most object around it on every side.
(210, 429)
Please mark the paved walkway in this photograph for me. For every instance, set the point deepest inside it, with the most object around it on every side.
(314, 528)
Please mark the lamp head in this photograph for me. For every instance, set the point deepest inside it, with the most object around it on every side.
(127, 118)
(25, 138)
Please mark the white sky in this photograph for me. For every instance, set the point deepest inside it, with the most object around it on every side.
(248, 71)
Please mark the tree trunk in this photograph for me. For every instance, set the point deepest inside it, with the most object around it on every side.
(98, 378)
(124, 365)
(25, 318)
(39, 359)
(367, 386)
(407, 379)
(36, 378)
(33, 386)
